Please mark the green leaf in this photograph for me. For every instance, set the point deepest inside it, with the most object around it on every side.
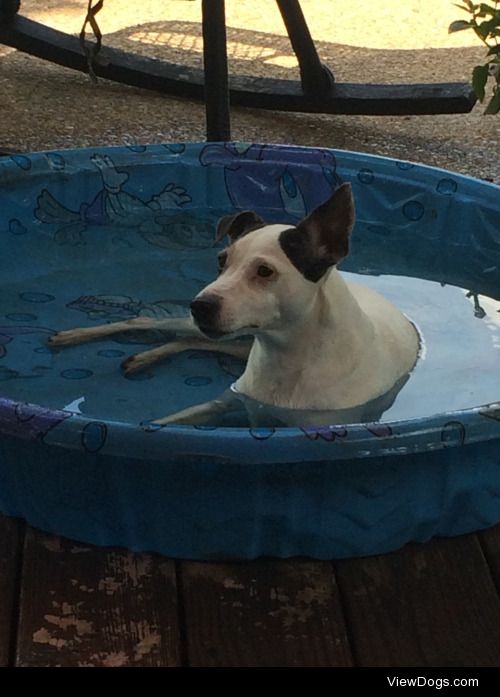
(494, 103)
(482, 30)
(463, 7)
(459, 25)
(486, 9)
(485, 28)
(494, 51)
(479, 80)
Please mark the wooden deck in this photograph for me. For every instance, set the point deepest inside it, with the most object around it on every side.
(69, 604)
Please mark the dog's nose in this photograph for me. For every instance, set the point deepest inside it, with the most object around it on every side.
(204, 310)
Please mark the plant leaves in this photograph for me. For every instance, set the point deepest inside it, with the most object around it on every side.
(486, 9)
(459, 25)
(494, 103)
(479, 79)
(486, 27)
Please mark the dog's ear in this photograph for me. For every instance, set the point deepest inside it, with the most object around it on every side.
(322, 239)
(237, 225)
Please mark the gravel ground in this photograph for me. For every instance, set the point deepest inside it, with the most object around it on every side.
(44, 106)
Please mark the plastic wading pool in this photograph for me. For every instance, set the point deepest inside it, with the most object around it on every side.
(92, 236)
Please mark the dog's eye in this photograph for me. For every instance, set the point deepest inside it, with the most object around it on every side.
(264, 271)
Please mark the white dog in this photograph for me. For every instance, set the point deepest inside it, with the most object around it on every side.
(320, 345)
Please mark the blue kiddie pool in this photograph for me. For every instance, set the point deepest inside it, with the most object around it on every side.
(99, 235)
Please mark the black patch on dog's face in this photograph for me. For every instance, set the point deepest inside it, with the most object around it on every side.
(298, 248)
(322, 239)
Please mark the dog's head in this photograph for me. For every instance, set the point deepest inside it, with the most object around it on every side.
(270, 274)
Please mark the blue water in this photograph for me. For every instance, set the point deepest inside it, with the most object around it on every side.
(459, 363)
(458, 367)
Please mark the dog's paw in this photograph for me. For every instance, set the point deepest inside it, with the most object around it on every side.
(134, 364)
(66, 338)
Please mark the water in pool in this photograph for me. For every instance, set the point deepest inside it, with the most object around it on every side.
(458, 367)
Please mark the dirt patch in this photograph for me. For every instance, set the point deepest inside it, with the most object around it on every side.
(44, 106)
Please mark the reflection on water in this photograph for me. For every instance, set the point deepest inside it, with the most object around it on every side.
(460, 365)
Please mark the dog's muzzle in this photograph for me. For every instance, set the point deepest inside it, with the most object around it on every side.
(205, 311)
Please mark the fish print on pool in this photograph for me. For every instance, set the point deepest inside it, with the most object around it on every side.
(28, 421)
(257, 179)
(160, 220)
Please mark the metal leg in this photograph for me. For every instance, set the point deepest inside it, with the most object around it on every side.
(216, 75)
(8, 9)
(316, 78)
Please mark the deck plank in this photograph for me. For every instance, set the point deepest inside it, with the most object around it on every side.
(91, 606)
(490, 543)
(11, 536)
(263, 613)
(426, 605)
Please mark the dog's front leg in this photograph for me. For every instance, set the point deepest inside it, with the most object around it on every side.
(143, 360)
(81, 335)
(205, 413)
